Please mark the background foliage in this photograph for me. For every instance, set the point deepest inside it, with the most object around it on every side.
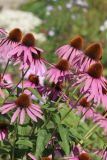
(66, 18)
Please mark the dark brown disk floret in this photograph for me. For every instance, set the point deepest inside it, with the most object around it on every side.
(15, 35)
(77, 42)
(23, 101)
(94, 51)
(83, 102)
(95, 70)
(29, 40)
(63, 65)
(34, 79)
(84, 156)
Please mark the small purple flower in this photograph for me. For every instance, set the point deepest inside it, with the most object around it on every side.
(49, 8)
(51, 33)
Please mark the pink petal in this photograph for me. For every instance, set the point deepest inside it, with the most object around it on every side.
(36, 113)
(15, 115)
(32, 156)
(22, 116)
(7, 109)
(31, 115)
(6, 106)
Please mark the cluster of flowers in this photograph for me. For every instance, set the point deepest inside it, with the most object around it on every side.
(75, 66)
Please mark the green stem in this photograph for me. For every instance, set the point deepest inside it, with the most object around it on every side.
(22, 81)
(5, 68)
(71, 108)
(14, 141)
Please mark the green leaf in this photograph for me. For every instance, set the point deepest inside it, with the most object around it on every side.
(5, 91)
(42, 140)
(4, 150)
(36, 94)
(70, 118)
(25, 142)
(65, 139)
(1, 101)
(48, 107)
(50, 125)
(74, 135)
(12, 98)
(56, 119)
(24, 130)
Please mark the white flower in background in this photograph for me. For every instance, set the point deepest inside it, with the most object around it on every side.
(16, 18)
(48, 13)
(12, 3)
(39, 36)
(104, 26)
(60, 8)
(73, 16)
(26, 21)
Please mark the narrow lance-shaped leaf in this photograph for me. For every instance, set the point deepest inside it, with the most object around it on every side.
(65, 139)
(42, 140)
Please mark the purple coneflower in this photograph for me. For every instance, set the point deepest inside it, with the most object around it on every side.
(37, 64)
(69, 51)
(32, 81)
(23, 104)
(93, 82)
(58, 70)
(47, 158)
(28, 54)
(104, 97)
(3, 131)
(78, 154)
(43, 158)
(51, 92)
(92, 54)
(85, 108)
(101, 120)
(10, 41)
(55, 91)
(102, 153)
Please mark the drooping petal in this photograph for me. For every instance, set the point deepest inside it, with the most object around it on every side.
(31, 115)
(22, 116)
(15, 115)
